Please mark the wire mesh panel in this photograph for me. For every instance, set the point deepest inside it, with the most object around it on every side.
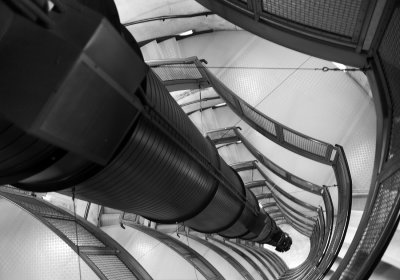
(386, 201)
(40, 208)
(304, 143)
(76, 233)
(258, 118)
(177, 72)
(198, 261)
(232, 261)
(276, 132)
(112, 267)
(389, 54)
(333, 16)
(110, 260)
(378, 226)
(289, 177)
(288, 138)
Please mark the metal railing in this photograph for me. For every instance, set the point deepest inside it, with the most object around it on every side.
(262, 259)
(179, 74)
(333, 242)
(231, 260)
(101, 253)
(284, 136)
(288, 138)
(332, 30)
(243, 255)
(232, 134)
(382, 212)
(186, 252)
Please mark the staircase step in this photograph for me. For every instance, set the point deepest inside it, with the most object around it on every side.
(107, 210)
(170, 49)
(110, 219)
(151, 51)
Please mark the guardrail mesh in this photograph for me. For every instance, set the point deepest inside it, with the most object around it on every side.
(177, 72)
(377, 227)
(81, 235)
(386, 200)
(339, 17)
(276, 132)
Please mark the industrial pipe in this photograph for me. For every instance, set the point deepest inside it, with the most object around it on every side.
(83, 114)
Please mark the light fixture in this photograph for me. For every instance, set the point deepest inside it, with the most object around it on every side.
(186, 33)
(220, 105)
(340, 66)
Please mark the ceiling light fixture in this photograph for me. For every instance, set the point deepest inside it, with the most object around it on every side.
(186, 33)
(340, 66)
(220, 105)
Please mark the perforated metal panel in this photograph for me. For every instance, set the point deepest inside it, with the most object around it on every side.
(258, 118)
(76, 233)
(304, 143)
(30, 250)
(177, 72)
(198, 261)
(112, 267)
(335, 16)
(389, 54)
(387, 196)
(40, 208)
(106, 255)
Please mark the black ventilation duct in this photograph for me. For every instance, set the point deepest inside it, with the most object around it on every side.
(82, 113)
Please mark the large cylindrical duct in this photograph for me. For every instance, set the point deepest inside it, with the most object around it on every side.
(100, 125)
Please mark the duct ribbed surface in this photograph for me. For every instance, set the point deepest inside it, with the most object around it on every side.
(153, 162)
(151, 177)
(223, 210)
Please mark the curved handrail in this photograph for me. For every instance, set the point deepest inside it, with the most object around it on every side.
(282, 204)
(90, 243)
(186, 252)
(329, 211)
(188, 113)
(291, 140)
(277, 170)
(227, 135)
(232, 261)
(318, 30)
(258, 256)
(243, 255)
(273, 186)
(344, 183)
(382, 212)
(199, 100)
(303, 229)
(279, 263)
(282, 135)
